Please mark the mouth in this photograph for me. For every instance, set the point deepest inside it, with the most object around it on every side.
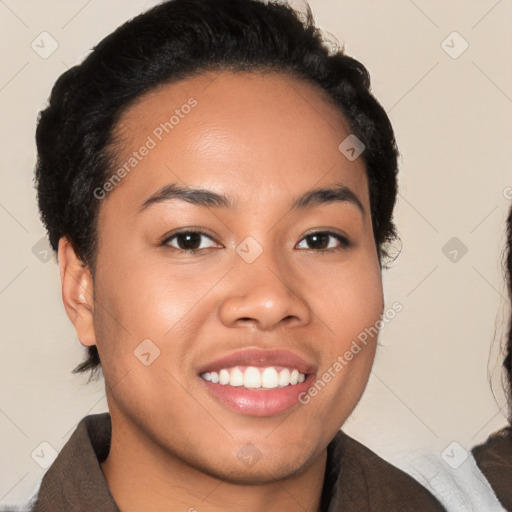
(252, 377)
(258, 382)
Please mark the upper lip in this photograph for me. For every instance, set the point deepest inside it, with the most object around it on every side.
(260, 358)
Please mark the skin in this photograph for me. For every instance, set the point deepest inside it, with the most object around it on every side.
(262, 140)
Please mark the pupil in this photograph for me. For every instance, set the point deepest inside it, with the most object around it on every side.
(319, 241)
(189, 241)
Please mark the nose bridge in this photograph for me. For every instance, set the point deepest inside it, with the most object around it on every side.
(264, 272)
(262, 290)
(261, 253)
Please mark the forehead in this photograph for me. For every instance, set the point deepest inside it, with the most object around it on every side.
(244, 134)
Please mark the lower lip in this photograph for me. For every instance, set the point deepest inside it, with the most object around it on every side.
(258, 402)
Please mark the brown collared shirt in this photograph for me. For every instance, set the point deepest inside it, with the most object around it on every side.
(356, 479)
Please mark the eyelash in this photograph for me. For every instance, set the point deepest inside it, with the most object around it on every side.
(343, 241)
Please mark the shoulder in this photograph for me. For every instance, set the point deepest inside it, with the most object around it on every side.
(370, 483)
(494, 458)
(497, 449)
(76, 477)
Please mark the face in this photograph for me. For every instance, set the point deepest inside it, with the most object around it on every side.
(218, 261)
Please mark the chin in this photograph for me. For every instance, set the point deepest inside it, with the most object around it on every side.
(251, 467)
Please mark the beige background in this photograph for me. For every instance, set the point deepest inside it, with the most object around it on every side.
(453, 121)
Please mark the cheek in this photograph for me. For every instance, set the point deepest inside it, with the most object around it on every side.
(360, 304)
(139, 300)
(348, 307)
(149, 298)
(347, 300)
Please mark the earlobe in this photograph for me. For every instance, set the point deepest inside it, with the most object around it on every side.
(77, 292)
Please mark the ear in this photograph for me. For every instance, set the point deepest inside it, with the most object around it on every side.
(77, 292)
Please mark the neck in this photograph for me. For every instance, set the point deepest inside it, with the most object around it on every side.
(142, 476)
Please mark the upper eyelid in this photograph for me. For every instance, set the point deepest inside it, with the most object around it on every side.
(342, 238)
(187, 231)
(329, 231)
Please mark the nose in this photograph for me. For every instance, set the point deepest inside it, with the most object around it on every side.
(261, 295)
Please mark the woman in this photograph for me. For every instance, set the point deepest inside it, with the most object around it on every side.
(219, 189)
(494, 457)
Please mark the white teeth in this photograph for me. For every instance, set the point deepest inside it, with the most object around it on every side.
(223, 377)
(252, 378)
(269, 378)
(284, 377)
(255, 377)
(237, 377)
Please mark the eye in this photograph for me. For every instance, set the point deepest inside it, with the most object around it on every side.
(190, 241)
(324, 241)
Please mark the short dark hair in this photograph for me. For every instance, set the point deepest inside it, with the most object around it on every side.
(172, 41)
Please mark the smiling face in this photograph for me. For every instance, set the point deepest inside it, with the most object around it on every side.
(256, 275)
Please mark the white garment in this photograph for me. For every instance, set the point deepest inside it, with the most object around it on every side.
(464, 489)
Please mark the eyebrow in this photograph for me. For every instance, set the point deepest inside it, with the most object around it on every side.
(197, 196)
(338, 193)
(202, 197)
